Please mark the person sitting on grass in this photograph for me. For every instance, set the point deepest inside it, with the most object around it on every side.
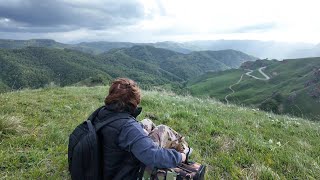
(127, 144)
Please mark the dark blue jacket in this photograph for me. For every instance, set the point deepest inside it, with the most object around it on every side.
(125, 146)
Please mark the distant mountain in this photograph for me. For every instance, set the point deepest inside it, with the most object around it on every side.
(87, 47)
(18, 44)
(294, 87)
(100, 46)
(261, 49)
(173, 46)
(36, 67)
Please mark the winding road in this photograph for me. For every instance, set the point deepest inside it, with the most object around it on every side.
(230, 87)
(266, 77)
(248, 74)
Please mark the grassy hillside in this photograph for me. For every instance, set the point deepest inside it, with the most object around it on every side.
(214, 84)
(234, 142)
(293, 87)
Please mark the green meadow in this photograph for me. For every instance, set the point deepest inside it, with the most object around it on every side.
(233, 142)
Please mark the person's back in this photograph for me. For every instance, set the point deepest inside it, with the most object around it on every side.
(117, 163)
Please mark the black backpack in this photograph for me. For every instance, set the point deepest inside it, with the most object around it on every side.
(84, 154)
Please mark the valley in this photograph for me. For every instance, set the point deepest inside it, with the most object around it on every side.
(287, 86)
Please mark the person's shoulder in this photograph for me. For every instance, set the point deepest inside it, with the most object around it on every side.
(132, 125)
(132, 122)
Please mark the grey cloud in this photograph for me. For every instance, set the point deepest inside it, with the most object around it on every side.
(59, 15)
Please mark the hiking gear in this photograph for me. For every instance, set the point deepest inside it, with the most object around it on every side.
(164, 136)
(136, 112)
(157, 174)
(190, 170)
(184, 171)
(188, 152)
(84, 151)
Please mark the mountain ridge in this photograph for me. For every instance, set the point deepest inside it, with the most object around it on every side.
(261, 49)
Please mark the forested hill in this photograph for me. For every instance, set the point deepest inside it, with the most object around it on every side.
(190, 65)
(35, 67)
(293, 87)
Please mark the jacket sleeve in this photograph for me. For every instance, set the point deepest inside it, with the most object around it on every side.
(132, 138)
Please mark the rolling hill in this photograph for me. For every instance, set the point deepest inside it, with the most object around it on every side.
(294, 87)
(35, 67)
(190, 65)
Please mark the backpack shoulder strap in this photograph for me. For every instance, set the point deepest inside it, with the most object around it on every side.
(111, 119)
(95, 113)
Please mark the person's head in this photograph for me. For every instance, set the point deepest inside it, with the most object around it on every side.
(124, 94)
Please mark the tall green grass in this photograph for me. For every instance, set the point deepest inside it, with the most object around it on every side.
(234, 142)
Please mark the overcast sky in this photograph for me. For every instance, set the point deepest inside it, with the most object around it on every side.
(160, 20)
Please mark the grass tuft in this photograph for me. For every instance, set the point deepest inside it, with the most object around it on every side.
(10, 125)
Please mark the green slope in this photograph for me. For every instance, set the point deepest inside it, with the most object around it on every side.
(214, 84)
(293, 87)
(234, 142)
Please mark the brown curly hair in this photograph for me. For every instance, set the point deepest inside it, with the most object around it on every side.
(124, 93)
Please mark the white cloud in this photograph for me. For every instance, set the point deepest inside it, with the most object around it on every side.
(293, 20)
